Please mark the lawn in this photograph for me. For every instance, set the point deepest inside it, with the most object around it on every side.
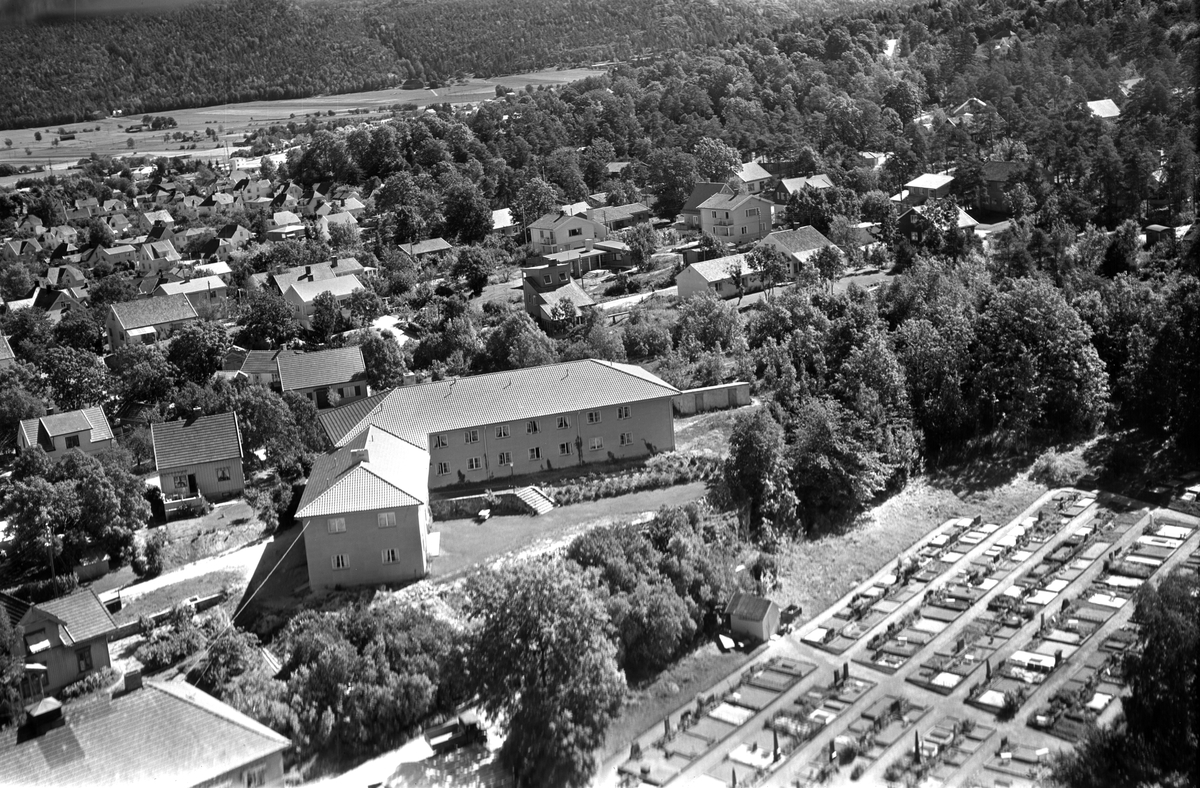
(466, 543)
(708, 432)
(227, 527)
(168, 596)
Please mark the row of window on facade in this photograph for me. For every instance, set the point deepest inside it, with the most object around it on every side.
(532, 427)
(181, 479)
(337, 525)
(565, 449)
(390, 555)
(749, 212)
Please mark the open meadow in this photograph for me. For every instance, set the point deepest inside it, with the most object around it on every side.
(235, 120)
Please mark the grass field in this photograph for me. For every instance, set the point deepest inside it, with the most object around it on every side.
(237, 119)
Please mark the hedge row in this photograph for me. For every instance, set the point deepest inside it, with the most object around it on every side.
(661, 470)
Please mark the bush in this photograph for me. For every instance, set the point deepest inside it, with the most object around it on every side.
(38, 591)
(857, 772)
(661, 470)
(1058, 470)
(179, 638)
(101, 679)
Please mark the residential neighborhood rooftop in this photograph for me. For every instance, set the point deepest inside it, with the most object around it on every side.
(166, 733)
(56, 424)
(373, 470)
(153, 311)
(196, 440)
(321, 368)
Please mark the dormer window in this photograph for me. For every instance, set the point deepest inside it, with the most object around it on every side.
(562, 277)
(547, 279)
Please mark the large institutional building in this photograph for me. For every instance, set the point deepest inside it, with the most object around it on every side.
(366, 506)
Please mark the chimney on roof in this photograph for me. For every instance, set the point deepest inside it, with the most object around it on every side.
(589, 243)
(43, 716)
(308, 271)
(360, 455)
(133, 680)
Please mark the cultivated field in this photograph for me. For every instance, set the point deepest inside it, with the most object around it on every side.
(236, 119)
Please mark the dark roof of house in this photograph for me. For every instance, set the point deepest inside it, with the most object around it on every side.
(729, 202)
(166, 733)
(748, 607)
(701, 192)
(800, 240)
(555, 219)
(153, 311)
(82, 613)
(229, 230)
(73, 421)
(195, 441)
(412, 412)
(49, 300)
(263, 362)
(618, 213)
(1000, 171)
(14, 608)
(426, 247)
(322, 368)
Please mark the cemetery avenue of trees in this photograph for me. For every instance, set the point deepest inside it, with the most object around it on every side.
(1073, 323)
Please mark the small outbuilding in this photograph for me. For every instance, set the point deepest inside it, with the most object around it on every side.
(752, 616)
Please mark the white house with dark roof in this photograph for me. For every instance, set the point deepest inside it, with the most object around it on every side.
(366, 514)
(87, 430)
(147, 321)
(65, 640)
(144, 735)
(325, 377)
(301, 295)
(199, 456)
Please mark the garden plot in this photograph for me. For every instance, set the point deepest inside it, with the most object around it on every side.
(1020, 760)
(881, 725)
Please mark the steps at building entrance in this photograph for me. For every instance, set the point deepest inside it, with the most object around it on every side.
(535, 499)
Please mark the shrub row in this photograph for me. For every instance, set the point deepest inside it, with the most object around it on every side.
(661, 470)
(93, 682)
(37, 591)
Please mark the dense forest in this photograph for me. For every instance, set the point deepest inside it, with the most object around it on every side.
(212, 53)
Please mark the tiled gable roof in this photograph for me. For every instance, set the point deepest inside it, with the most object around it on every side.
(165, 734)
(747, 607)
(618, 213)
(1000, 171)
(412, 412)
(347, 481)
(322, 368)
(194, 441)
(729, 202)
(752, 171)
(426, 247)
(153, 311)
(339, 285)
(197, 285)
(929, 180)
(701, 192)
(793, 185)
(82, 613)
(14, 608)
(92, 419)
(6, 351)
(717, 269)
(798, 241)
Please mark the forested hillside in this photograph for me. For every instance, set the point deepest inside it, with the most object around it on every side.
(218, 52)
